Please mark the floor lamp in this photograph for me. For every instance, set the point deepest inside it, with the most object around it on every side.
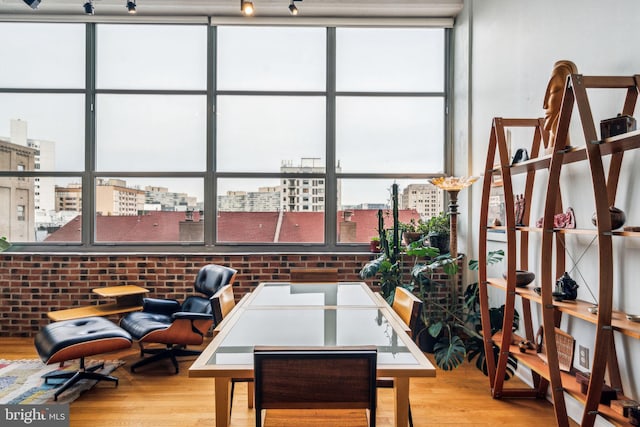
(452, 185)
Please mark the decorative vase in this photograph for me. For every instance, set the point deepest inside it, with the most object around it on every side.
(617, 218)
(566, 288)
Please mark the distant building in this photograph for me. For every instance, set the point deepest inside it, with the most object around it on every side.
(69, 198)
(43, 187)
(266, 199)
(371, 206)
(424, 198)
(305, 194)
(17, 222)
(168, 200)
(113, 197)
(44, 192)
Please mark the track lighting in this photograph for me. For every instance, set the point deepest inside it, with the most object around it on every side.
(246, 7)
(293, 9)
(33, 4)
(88, 7)
(131, 7)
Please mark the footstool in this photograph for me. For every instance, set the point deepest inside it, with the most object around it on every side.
(76, 339)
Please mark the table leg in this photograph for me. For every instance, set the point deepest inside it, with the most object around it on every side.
(222, 391)
(401, 401)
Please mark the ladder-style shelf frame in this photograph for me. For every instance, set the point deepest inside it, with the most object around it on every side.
(604, 185)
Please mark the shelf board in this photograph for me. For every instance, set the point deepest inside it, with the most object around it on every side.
(531, 360)
(619, 320)
(526, 292)
(577, 308)
(608, 146)
(619, 143)
(582, 231)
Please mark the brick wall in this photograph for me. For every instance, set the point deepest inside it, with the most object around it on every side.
(32, 285)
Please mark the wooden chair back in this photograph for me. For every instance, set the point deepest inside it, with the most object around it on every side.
(315, 378)
(222, 302)
(317, 275)
(408, 307)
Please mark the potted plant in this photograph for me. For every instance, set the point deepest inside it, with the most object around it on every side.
(437, 229)
(4, 244)
(411, 231)
(374, 244)
(454, 325)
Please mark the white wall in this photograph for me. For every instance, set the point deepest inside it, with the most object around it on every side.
(508, 48)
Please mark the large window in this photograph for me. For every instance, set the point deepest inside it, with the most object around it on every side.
(216, 137)
(42, 132)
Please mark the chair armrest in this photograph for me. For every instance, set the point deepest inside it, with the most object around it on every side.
(160, 306)
(192, 316)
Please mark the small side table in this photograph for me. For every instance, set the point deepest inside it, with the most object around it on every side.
(128, 299)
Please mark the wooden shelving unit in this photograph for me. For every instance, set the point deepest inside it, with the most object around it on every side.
(547, 376)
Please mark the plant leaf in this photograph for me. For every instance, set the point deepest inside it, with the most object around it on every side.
(449, 354)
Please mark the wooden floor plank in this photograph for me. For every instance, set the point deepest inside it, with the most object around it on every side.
(155, 397)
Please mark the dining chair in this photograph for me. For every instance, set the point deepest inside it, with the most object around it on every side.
(315, 378)
(222, 302)
(407, 306)
(313, 275)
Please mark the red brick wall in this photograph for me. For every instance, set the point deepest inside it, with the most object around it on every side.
(32, 285)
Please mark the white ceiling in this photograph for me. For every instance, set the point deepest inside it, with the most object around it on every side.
(231, 8)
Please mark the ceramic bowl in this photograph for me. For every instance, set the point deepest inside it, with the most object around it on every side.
(618, 218)
(523, 278)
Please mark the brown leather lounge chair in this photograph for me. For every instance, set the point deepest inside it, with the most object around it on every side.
(177, 325)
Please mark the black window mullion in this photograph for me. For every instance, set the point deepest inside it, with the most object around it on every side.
(88, 176)
(210, 182)
(331, 184)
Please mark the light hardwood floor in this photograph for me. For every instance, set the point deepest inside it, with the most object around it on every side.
(155, 397)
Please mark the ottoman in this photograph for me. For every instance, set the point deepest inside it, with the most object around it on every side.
(76, 339)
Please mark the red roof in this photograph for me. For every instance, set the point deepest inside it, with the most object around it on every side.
(241, 227)
(251, 227)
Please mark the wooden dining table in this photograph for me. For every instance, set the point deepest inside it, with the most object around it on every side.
(311, 315)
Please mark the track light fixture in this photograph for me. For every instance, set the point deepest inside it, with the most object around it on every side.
(292, 7)
(246, 7)
(33, 4)
(88, 8)
(131, 7)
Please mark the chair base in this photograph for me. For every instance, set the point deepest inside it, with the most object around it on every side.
(171, 352)
(81, 374)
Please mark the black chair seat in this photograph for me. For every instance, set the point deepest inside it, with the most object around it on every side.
(141, 323)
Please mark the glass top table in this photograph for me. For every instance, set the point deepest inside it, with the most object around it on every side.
(312, 294)
(324, 327)
(311, 315)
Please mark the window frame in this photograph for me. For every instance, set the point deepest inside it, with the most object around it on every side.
(90, 174)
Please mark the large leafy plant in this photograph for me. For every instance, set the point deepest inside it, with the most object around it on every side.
(455, 325)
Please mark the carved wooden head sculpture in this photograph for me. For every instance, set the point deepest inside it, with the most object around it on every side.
(553, 97)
